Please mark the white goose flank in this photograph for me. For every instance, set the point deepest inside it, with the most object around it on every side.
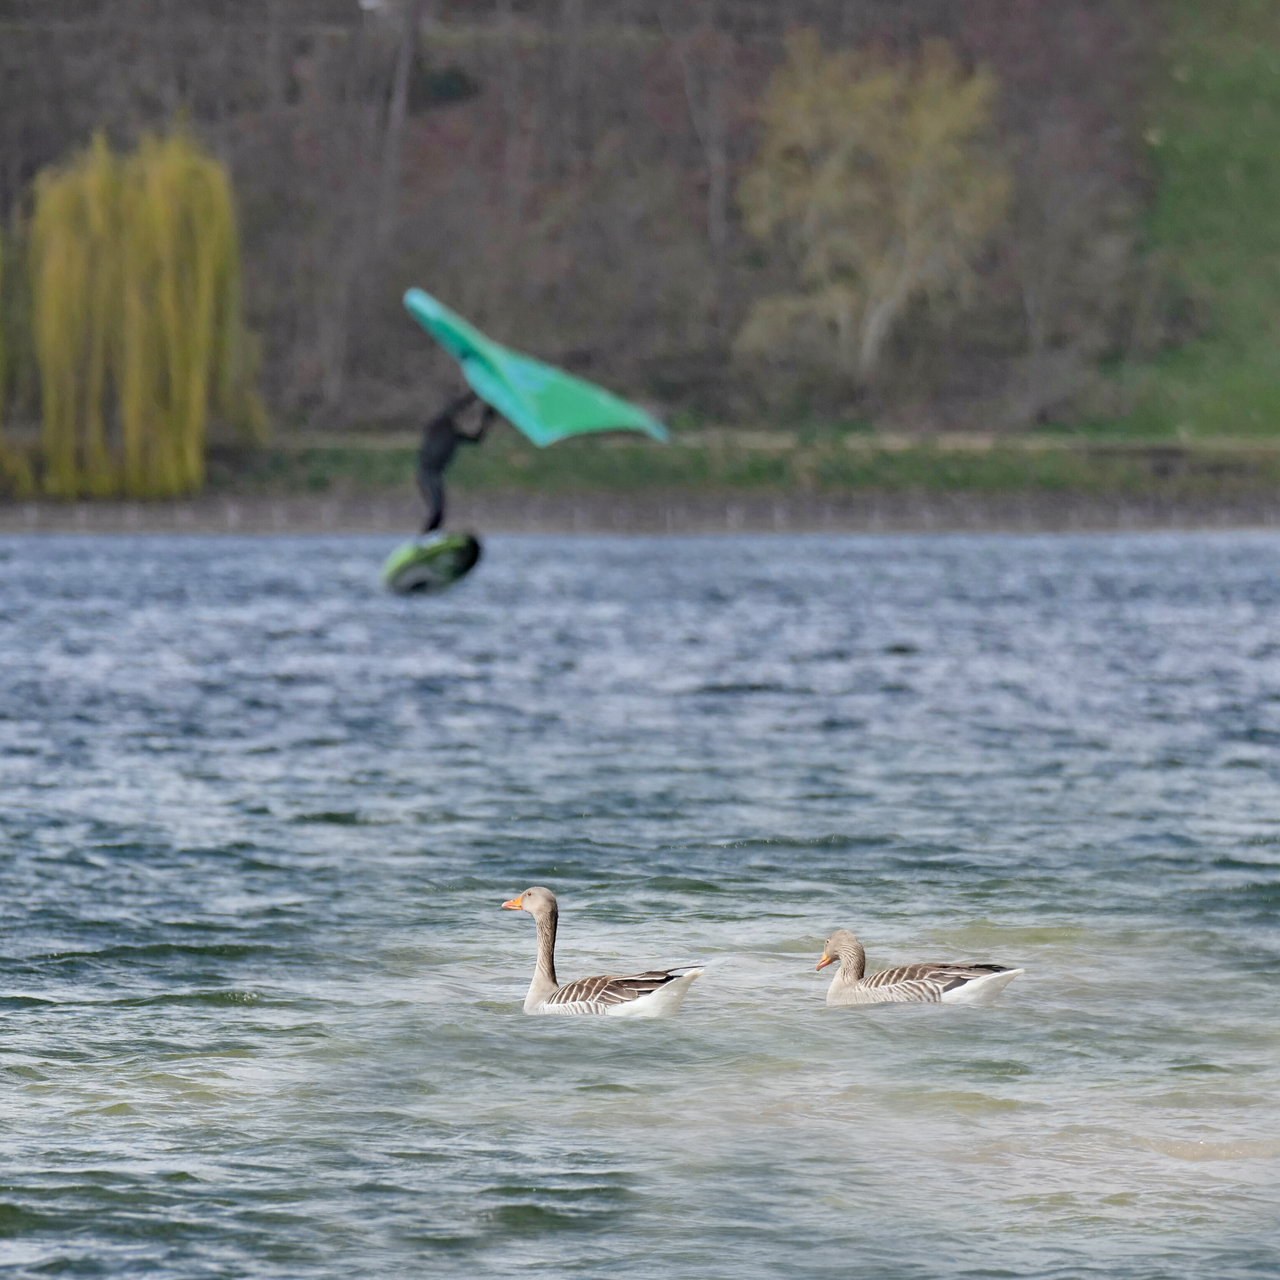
(657, 994)
(941, 983)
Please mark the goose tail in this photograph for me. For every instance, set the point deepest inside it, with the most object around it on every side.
(662, 1003)
(981, 990)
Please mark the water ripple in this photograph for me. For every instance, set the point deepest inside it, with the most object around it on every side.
(260, 1010)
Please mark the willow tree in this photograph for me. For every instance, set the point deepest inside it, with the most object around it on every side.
(137, 317)
(877, 175)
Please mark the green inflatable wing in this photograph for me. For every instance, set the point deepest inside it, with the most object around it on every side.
(543, 402)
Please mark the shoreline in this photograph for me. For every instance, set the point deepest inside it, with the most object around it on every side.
(656, 512)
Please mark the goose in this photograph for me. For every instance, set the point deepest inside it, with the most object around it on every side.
(641, 995)
(916, 983)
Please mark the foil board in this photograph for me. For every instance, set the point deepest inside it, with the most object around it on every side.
(428, 565)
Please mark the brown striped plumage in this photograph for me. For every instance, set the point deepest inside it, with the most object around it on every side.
(943, 982)
(599, 993)
(656, 993)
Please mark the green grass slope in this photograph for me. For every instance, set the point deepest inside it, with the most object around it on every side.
(779, 462)
(1214, 132)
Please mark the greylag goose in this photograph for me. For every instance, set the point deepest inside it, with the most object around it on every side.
(915, 983)
(641, 995)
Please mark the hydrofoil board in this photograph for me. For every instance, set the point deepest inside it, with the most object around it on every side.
(430, 564)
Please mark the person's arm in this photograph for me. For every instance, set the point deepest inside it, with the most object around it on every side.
(448, 417)
(486, 418)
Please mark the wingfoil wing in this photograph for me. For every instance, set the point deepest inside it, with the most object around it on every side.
(543, 402)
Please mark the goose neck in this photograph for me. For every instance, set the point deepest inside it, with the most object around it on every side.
(853, 962)
(546, 923)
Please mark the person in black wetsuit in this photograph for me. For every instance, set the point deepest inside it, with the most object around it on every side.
(440, 437)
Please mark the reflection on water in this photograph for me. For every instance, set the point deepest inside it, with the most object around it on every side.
(260, 1009)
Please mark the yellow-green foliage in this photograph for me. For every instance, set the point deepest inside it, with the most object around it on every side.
(135, 278)
(878, 177)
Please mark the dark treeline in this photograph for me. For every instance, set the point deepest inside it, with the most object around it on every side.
(568, 175)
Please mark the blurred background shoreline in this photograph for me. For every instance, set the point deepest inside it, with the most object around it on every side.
(713, 482)
(1084, 311)
(675, 514)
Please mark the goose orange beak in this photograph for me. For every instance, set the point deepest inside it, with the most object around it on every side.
(514, 905)
(826, 960)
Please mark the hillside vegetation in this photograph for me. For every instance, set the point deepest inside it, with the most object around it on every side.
(1075, 228)
(574, 178)
(1214, 138)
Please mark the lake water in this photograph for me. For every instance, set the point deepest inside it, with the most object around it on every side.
(260, 1011)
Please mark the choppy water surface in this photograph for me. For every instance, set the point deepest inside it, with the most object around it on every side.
(260, 1012)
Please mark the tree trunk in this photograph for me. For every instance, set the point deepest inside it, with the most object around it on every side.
(273, 54)
(514, 166)
(393, 137)
(877, 325)
(705, 86)
(572, 141)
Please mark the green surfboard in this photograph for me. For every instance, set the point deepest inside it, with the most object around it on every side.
(427, 565)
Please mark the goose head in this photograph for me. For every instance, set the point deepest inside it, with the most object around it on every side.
(537, 901)
(841, 946)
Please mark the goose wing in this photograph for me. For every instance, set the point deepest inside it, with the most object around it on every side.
(598, 995)
(926, 982)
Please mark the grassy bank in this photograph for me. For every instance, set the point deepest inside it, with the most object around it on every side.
(716, 482)
(1213, 123)
(825, 464)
